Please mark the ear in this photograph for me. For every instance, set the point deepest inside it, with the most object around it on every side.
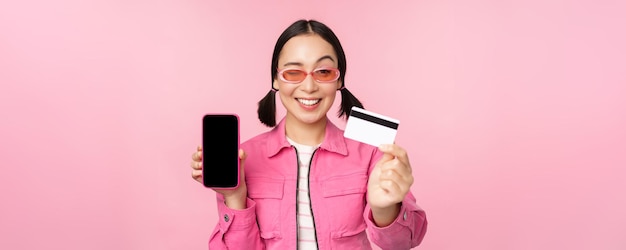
(339, 84)
(275, 85)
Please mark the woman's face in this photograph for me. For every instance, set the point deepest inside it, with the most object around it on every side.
(307, 101)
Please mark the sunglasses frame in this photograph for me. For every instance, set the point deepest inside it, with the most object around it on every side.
(282, 78)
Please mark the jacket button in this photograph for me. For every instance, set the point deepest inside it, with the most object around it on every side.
(404, 216)
(226, 217)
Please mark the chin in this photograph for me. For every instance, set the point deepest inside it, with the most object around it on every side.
(311, 118)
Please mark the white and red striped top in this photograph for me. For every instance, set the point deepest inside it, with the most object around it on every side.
(306, 228)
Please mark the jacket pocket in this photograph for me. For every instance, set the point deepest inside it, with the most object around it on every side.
(352, 239)
(345, 185)
(267, 193)
(347, 226)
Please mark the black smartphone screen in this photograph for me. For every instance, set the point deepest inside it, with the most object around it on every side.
(220, 146)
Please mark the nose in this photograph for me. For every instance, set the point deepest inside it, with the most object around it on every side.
(309, 84)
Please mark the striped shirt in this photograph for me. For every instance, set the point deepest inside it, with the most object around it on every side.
(306, 227)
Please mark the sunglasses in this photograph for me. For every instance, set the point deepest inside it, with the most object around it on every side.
(321, 75)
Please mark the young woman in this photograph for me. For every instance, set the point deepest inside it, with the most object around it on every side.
(305, 186)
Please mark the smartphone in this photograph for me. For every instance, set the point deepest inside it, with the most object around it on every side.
(220, 150)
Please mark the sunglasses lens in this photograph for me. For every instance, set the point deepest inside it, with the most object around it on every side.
(326, 75)
(294, 75)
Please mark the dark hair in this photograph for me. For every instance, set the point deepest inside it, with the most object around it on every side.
(267, 105)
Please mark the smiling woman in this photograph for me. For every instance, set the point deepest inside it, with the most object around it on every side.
(308, 100)
(512, 113)
(328, 43)
(294, 205)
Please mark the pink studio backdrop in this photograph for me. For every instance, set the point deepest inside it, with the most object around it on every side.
(513, 113)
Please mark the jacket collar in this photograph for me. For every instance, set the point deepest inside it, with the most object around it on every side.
(333, 139)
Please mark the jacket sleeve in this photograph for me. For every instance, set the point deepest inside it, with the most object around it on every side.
(236, 229)
(406, 231)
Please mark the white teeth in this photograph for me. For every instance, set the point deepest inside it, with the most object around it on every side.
(309, 102)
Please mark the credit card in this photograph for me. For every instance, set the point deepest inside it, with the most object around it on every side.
(371, 128)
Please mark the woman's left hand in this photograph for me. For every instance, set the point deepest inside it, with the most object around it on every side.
(390, 180)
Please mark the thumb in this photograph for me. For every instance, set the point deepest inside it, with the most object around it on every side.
(242, 160)
(386, 157)
(242, 156)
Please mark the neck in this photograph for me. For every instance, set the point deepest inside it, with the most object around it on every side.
(306, 133)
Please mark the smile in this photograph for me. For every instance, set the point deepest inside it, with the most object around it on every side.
(308, 102)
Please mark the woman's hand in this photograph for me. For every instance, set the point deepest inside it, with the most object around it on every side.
(234, 198)
(388, 184)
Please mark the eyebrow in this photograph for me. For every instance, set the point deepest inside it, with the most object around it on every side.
(318, 60)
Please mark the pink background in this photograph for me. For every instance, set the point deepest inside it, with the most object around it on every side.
(513, 113)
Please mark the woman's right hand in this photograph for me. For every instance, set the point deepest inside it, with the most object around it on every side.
(234, 198)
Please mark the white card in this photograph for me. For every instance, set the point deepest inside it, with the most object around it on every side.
(371, 128)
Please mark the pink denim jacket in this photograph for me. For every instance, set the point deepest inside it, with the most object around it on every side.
(337, 182)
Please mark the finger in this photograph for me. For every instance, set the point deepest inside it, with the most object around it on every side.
(385, 158)
(242, 160)
(397, 165)
(390, 175)
(199, 148)
(196, 165)
(391, 188)
(242, 155)
(196, 175)
(396, 151)
(404, 182)
(197, 156)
